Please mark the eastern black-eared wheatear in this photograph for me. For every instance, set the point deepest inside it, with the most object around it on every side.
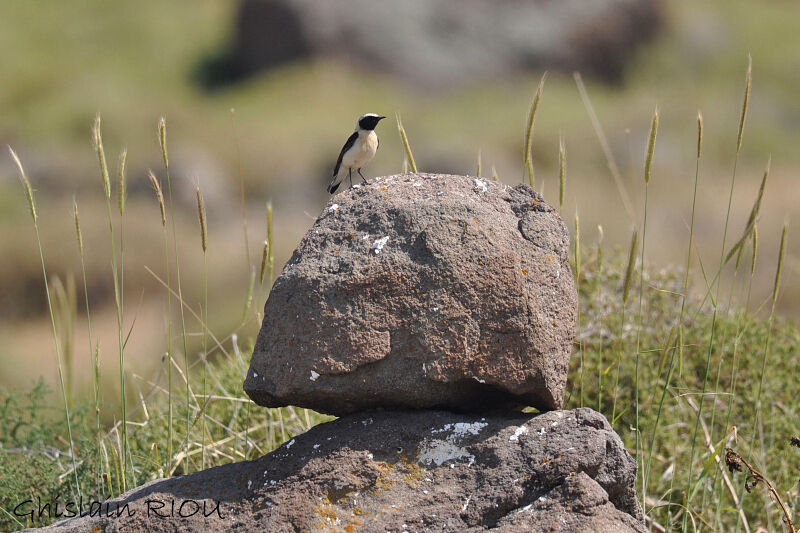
(358, 151)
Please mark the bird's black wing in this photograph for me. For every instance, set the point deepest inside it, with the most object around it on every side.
(347, 145)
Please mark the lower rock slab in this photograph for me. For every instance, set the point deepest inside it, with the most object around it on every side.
(405, 471)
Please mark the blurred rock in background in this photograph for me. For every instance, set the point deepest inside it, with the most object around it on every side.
(440, 43)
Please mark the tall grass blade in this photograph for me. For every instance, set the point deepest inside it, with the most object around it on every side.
(406, 146)
(32, 207)
(601, 137)
(527, 157)
(562, 172)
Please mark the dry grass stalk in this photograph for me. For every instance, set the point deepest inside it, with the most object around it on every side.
(121, 181)
(651, 145)
(201, 214)
(159, 196)
(527, 157)
(97, 137)
(406, 146)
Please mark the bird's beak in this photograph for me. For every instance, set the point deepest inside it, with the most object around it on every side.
(381, 118)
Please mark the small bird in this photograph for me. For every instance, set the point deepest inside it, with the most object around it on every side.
(358, 151)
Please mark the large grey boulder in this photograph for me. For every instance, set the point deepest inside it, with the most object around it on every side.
(563, 471)
(438, 43)
(421, 291)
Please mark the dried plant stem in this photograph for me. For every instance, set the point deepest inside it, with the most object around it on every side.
(170, 424)
(562, 172)
(406, 146)
(735, 462)
(651, 143)
(123, 440)
(601, 136)
(271, 242)
(162, 135)
(94, 353)
(201, 215)
(32, 206)
(527, 157)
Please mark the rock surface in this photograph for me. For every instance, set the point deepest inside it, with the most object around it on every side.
(421, 291)
(407, 471)
(440, 43)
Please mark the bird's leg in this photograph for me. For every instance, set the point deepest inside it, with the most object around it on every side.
(362, 176)
(350, 174)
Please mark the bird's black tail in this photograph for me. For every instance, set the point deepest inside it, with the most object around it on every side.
(333, 185)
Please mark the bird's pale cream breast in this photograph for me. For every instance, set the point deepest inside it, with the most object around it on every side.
(362, 151)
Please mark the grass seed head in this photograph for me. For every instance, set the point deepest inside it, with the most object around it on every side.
(162, 140)
(121, 181)
(651, 146)
(26, 184)
(201, 214)
(97, 137)
(159, 196)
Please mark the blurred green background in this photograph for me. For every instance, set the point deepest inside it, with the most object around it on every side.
(280, 131)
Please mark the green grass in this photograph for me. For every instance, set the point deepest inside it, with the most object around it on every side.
(675, 369)
(238, 433)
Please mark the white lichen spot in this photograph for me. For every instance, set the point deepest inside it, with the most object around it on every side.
(255, 374)
(417, 184)
(333, 207)
(290, 444)
(439, 193)
(542, 431)
(314, 376)
(479, 380)
(435, 309)
(554, 424)
(365, 237)
(542, 499)
(439, 452)
(367, 422)
(558, 274)
(461, 429)
(480, 185)
(249, 483)
(378, 245)
(316, 446)
(522, 430)
(357, 186)
(466, 503)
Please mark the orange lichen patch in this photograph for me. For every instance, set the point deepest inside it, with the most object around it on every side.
(549, 257)
(404, 278)
(383, 188)
(334, 495)
(385, 196)
(302, 275)
(410, 348)
(414, 473)
(326, 510)
(525, 271)
(384, 480)
(97, 529)
(351, 236)
(358, 511)
(336, 251)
